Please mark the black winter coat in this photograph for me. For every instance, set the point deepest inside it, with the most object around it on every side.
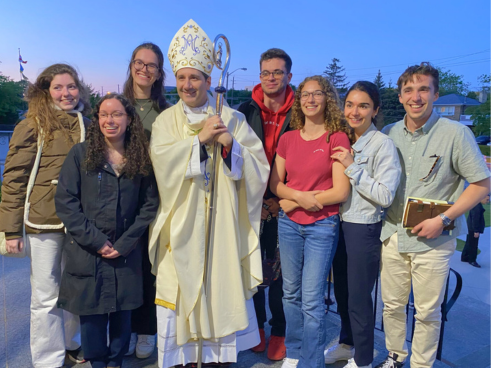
(475, 220)
(95, 207)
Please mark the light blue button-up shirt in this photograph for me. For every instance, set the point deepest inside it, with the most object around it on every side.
(374, 177)
(436, 161)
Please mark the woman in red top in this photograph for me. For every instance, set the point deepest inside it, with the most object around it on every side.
(308, 223)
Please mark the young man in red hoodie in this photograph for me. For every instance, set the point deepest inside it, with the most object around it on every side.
(269, 114)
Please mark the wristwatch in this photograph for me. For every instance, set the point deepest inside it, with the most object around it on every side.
(445, 220)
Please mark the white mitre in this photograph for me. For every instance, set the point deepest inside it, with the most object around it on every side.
(191, 48)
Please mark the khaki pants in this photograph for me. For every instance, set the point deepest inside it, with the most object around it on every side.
(428, 272)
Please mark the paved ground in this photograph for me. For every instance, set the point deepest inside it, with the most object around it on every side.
(466, 340)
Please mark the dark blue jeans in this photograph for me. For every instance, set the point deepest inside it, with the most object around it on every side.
(306, 256)
(94, 338)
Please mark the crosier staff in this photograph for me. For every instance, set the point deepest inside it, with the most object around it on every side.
(219, 90)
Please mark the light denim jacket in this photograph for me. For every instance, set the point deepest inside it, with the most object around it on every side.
(374, 176)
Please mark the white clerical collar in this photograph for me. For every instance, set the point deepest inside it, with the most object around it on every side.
(196, 115)
(195, 110)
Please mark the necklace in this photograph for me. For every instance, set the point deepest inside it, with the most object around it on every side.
(308, 137)
(141, 106)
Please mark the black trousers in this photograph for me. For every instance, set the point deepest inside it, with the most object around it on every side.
(94, 338)
(355, 270)
(144, 318)
(469, 253)
(269, 239)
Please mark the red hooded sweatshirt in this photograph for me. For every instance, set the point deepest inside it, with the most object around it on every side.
(272, 121)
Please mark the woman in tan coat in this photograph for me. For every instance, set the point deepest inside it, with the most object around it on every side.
(37, 149)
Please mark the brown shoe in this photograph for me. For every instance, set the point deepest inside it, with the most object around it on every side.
(276, 348)
(262, 345)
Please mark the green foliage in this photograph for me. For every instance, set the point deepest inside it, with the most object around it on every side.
(172, 96)
(481, 114)
(293, 87)
(452, 83)
(391, 110)
(11, 100)
(235, 97)
(481, 117)
(335, 73)
(379, 81)
(485, 150)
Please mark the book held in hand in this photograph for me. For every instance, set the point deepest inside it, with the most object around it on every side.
(419, 209)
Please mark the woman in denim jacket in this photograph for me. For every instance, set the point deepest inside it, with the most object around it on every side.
(374, 172)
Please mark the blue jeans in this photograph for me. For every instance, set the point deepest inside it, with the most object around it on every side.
(306, 255)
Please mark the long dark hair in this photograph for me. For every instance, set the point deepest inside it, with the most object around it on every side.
(370, 89)
(41, 102)
(136, 155)
(157, 93)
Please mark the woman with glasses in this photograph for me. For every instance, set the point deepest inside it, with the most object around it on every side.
(373, 169)
(54, 123)
(311, 185)
(106, 197)
(144, 88)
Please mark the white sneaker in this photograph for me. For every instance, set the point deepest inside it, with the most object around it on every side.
(338, 352)
(289, 363)
(352, 364)
(132, 346)
(145, 346)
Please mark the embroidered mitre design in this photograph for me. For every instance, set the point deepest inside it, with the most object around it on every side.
(191, 48)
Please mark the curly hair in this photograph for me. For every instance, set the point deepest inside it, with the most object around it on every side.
(136, 156)
(157, 92)
(41, 105)
(334, 120)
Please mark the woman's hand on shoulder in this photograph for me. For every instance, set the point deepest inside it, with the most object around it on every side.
(343, 155)
(307, 200)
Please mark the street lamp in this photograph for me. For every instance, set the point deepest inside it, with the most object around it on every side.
(228, 74)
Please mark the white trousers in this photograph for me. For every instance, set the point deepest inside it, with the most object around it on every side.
(220, 350)
(428, 272)
(52, 329)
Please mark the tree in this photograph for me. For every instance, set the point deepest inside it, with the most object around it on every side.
(11, 100)
(452, 83)
(335, 73)
(391, 110)
(481, 114)
(379, 82)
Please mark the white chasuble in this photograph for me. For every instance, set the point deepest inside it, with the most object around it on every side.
(177, 236)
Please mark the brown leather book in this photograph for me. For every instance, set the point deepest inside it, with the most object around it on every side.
(419, 209)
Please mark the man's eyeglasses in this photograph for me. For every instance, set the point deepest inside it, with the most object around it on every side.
(278, 74)
(317, 95)
(117, 115)
(139, 65)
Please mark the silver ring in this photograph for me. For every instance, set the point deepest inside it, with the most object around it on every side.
(215, 126)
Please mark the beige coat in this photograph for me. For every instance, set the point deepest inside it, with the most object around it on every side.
(18, 165)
